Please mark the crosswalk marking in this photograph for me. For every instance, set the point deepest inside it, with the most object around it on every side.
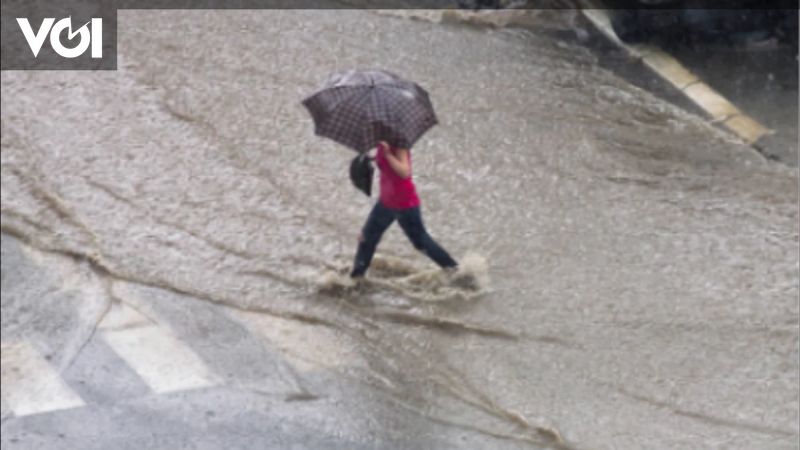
(306, 347)
(161, 360)
(30, 384)
(123, 316)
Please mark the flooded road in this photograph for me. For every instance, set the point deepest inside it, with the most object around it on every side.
(642, 266)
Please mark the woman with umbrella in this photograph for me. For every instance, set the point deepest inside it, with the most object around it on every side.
(374, 108)
(398, 201)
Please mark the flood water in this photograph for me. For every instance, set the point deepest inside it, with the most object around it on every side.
(638, 266)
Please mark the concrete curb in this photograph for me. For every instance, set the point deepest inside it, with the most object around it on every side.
(720, 110)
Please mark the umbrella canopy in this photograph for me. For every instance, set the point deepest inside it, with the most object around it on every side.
(358, 108)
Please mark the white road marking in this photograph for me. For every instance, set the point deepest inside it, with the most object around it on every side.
(30, 384)
(123, 316)
(163, 362)
(306, 347)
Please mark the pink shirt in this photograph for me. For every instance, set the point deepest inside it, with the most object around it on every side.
(396, 192)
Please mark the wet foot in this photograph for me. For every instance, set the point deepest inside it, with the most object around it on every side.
(461, 279)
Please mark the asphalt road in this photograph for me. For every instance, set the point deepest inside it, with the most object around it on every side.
(180, 223)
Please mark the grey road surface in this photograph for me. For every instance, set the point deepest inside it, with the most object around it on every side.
(172, 233)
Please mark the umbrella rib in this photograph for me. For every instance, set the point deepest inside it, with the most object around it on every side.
(403, 118)
(331, 113)
(348, 100)
(342, 99)
(402, 113)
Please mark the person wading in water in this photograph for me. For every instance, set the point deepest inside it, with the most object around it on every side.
(398, 200)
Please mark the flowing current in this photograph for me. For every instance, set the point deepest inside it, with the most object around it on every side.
(636, 269)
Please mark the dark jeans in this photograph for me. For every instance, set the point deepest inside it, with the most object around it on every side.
(410, 221)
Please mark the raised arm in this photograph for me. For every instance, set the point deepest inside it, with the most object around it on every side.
(397, 159)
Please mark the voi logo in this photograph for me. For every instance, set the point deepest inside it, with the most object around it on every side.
(88, 36)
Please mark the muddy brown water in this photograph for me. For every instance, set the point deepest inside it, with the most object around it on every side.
(641, 274)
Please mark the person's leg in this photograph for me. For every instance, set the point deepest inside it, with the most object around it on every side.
(411, 222)
(380, 218)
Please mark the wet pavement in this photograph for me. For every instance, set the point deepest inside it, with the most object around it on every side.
(759, 77)
(642, 279)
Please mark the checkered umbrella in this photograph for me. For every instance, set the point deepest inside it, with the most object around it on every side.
(358, 108)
